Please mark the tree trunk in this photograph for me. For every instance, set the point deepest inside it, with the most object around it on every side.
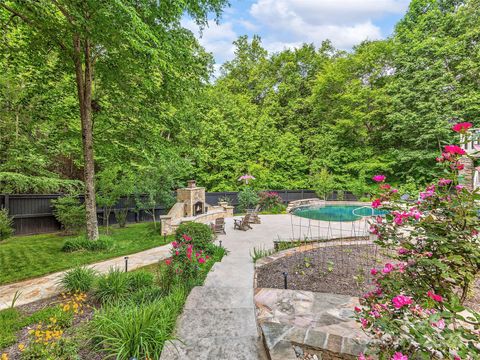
(84, 88)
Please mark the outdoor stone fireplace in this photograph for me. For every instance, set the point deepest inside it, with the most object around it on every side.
(191, 206)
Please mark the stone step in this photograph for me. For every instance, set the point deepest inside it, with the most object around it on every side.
(214, 297)
(227, 274)
(196, 324)
(220, 348)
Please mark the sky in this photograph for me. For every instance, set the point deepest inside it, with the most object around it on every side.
(288, 23)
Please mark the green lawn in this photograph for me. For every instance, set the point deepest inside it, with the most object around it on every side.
(24, 257)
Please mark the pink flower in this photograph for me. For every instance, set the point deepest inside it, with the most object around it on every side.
(459, 187)
(387, 268)
(174, 244)
(456, 357)
(440, 324)
(434, 296)
(376, 203)
(373, 271)
(375, 314)
(444, 182)
(399, 356)
(186, 237)
(246, 178)
(177, 252)
(402, 251)
(379, 178)
(201, 260)
(454, 150)
(373, 230)
(385, 186)
(462, 127)
(168, 262)
(364, 323)
(401, 300)
(357, 309)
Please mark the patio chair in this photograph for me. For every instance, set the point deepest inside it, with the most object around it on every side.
(242, 224)
(254, 218)
(219, 226)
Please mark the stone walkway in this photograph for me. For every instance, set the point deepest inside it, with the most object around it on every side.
(47, 286)
(218, 321)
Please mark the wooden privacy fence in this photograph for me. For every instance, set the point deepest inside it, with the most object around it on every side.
(33, 214)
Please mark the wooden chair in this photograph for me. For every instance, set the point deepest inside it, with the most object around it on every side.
(242, 224)
(254, 218)
(219, 226)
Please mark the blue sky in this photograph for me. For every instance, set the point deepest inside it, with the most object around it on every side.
(289, 23)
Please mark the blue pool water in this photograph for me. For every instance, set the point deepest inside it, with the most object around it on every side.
(336, 212)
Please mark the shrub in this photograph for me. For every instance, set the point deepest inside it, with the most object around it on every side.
(201, 234)
(112, 287)
(70, 213)
(79, 279)
(417, 307)
(247, 198)
(131, 331)
(269, 200)
(140, 279)
(121, 217)
(6, 224)
(82, 243)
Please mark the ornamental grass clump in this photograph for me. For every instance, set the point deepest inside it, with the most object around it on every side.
(79, 279)
(417, 309)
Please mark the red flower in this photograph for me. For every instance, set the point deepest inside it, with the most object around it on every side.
(201, 260)
(186, 237)
(376, 203)
(379, 178)
(454, 149)
(168, 262)
(434, 296)
(401, 300)
(462, 127)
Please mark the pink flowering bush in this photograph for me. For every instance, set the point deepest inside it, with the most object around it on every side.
(270, 200)
(417, 307)
(185, 263)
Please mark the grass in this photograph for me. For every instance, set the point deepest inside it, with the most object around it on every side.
(24, 257)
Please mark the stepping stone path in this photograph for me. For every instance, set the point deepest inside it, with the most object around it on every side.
(218, 321)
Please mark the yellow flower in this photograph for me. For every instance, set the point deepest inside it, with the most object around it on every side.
(21, 347)
(53, 320)
(4, 356)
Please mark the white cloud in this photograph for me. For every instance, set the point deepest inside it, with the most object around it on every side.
(216, 38)
(344, 22)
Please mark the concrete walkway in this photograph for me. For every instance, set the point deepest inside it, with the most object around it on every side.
(218, 321)
(47, 286)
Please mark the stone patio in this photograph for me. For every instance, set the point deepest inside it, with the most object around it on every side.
(294, 321)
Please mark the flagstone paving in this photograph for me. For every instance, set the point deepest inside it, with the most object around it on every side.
(218, 321)
(47, 286)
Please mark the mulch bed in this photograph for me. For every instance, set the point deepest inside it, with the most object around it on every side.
(336, 269)
(341, 269)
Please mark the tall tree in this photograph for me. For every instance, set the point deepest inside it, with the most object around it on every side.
(109, 38)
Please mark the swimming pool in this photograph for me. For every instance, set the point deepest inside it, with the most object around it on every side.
(336, 212)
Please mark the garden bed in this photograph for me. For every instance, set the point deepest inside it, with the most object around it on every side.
(338, 269)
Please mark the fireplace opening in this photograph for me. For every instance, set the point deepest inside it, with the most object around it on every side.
(198, 208)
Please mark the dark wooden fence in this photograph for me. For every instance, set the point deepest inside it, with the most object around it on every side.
(32, 214)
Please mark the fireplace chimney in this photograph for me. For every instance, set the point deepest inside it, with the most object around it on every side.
(192, 184)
